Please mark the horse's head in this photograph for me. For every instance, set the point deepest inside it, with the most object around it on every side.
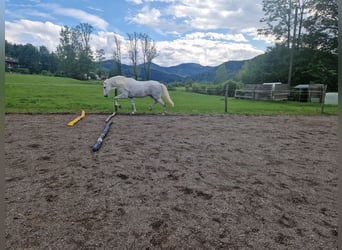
(106, 88)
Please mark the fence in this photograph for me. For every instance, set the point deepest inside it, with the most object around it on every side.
(270, 91)
(274, 92)
(213, 90)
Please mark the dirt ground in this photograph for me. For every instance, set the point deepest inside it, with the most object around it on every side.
(171, 182)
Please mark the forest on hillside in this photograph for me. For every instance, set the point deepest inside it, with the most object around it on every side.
(307, 48)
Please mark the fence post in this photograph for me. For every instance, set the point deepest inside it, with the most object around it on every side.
(226, 99)
(323, 98)
(115, 94)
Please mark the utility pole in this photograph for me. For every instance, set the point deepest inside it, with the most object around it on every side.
(289, 78)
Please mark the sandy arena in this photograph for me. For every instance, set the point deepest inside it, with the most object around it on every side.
(171, 182)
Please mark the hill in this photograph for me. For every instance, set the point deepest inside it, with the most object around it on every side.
(185, 71)
(218, 74)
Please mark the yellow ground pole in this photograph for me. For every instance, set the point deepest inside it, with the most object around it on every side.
(77, 119)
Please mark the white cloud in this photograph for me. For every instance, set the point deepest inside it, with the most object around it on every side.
(53, 12)
(84, 17)
(26, 12)
(152, 18)
(138, 2)
(216, 36)
(203, 51)
(95, 9)
(36, 33)
(135, 1)
(270, 39)
(207, 32)
(77, 14)
(203, 48)
(193, 48)
(105, 40)
(147, 16)
(200, 15)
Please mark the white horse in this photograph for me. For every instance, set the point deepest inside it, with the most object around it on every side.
(130, 88)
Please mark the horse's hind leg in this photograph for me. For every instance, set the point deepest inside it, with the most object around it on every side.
(159, 100)
(153, 104)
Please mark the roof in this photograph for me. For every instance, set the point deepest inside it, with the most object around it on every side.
(302, 86)
(271, 83)
(307, 86)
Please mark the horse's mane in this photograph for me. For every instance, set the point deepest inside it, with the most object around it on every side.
(121, 81)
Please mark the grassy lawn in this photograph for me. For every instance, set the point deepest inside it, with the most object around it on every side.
(39, 94)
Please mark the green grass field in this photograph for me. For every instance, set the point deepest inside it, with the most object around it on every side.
(44, 94)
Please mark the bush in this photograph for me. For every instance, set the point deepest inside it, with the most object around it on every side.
(46, 73)
(215, 89)
(22, 71)
(233, 85)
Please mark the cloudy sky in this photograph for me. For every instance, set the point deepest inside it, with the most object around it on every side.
(208, 32)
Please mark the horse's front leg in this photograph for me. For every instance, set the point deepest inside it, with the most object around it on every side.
(133, 105)
(116, 105)
(123, 95)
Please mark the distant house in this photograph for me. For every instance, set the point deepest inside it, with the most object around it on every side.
(280, 91)
(11, 63)
(308, 92)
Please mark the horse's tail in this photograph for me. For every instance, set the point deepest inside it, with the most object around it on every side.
(166, 94)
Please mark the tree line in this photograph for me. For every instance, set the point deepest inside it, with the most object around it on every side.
(74, 57)
(30, 59)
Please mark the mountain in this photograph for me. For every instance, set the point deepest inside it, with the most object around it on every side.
(218, 74)
(159, 73)
(184, 72)
(187, 69)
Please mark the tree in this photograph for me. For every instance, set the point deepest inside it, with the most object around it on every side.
(277, 16)
(32, 59)
(83, 32)
(284, 19)
(44, 58)
(117, 67)
(322, 25)
(74, 51)
(29, 58)
(221, 74)
(306, 22)
(133, 52)
(99, 59)
(53, 62)
(269, 67)
(66, 53)
(289, 78)
(310, 66)
(149, 52)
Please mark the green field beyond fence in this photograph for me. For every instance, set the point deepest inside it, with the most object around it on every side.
(44, 94)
